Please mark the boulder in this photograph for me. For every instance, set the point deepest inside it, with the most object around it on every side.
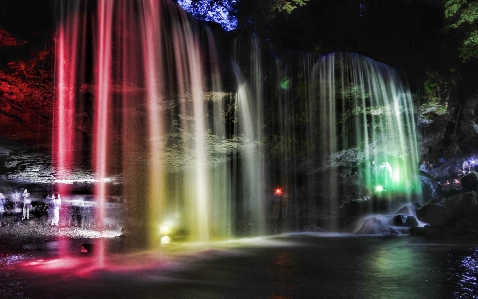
(456, 216)
(470, 182)
(408, 210)
(440, 212)
(371, 225)
(432, 214)
(462, 204)
(411, 221)
(404, 220)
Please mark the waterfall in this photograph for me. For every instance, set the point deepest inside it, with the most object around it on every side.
(142, 105)
(337, 127)
(141, 80)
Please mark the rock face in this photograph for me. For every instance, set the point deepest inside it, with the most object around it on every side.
(452, 217)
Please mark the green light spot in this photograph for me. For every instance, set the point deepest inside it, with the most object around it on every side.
(285, 83)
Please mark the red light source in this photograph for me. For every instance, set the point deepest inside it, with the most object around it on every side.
(278, 191)
(86, 248)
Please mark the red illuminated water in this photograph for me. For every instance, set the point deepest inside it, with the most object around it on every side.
(138, 70)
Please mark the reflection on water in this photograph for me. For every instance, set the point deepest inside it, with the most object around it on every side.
(463, 273)
(287, 266)
(283, 272)
(402, 271)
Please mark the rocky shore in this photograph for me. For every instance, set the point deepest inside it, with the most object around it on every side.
(15, 238)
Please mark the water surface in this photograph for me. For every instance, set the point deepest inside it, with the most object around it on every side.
(285, 266)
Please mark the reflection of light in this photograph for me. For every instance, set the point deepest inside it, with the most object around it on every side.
(165, 229)
(396, 175)
(463, 271)
(55, 264)
(284, 84)
(379, 188)
(165, 240)
(104, 180)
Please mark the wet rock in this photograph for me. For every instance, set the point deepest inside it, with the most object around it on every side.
(408, 210)
(462, 204)
(470, 182)
(456, 216)
(411, 221)
(431, 187)
(440, 212)
(372, 225)
(433, 214)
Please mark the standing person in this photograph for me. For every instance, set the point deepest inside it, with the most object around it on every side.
(85, 215)
(55, 211)
(466, 167)
(55, 204)
(17, 208)
(424, 166)
(2, 207)
(17, 211)
(27, 204)
(50, 208)
(430, 166)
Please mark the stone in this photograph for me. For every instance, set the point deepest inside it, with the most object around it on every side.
(462, 204)
(371, 225)
(432, 214)
(470, 182)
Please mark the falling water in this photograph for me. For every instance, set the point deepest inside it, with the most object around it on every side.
(138, 70)
(364, 114)
(250, 118)
(329, 119)
(140, 101)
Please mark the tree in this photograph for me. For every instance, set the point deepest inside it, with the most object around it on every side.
(463, 15)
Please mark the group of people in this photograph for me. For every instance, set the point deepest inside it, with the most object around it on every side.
(54, 203)
(466, 167)
(20, 205)
(426, 167)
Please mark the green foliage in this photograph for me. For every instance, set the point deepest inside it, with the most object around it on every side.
(434, 87)
(287, 6)
(463, 14)
(247, 12)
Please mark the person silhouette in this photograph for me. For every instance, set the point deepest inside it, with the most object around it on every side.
(27, 204)
(56, 203)
(2, 207)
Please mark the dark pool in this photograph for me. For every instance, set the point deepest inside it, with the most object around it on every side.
(285, 266)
